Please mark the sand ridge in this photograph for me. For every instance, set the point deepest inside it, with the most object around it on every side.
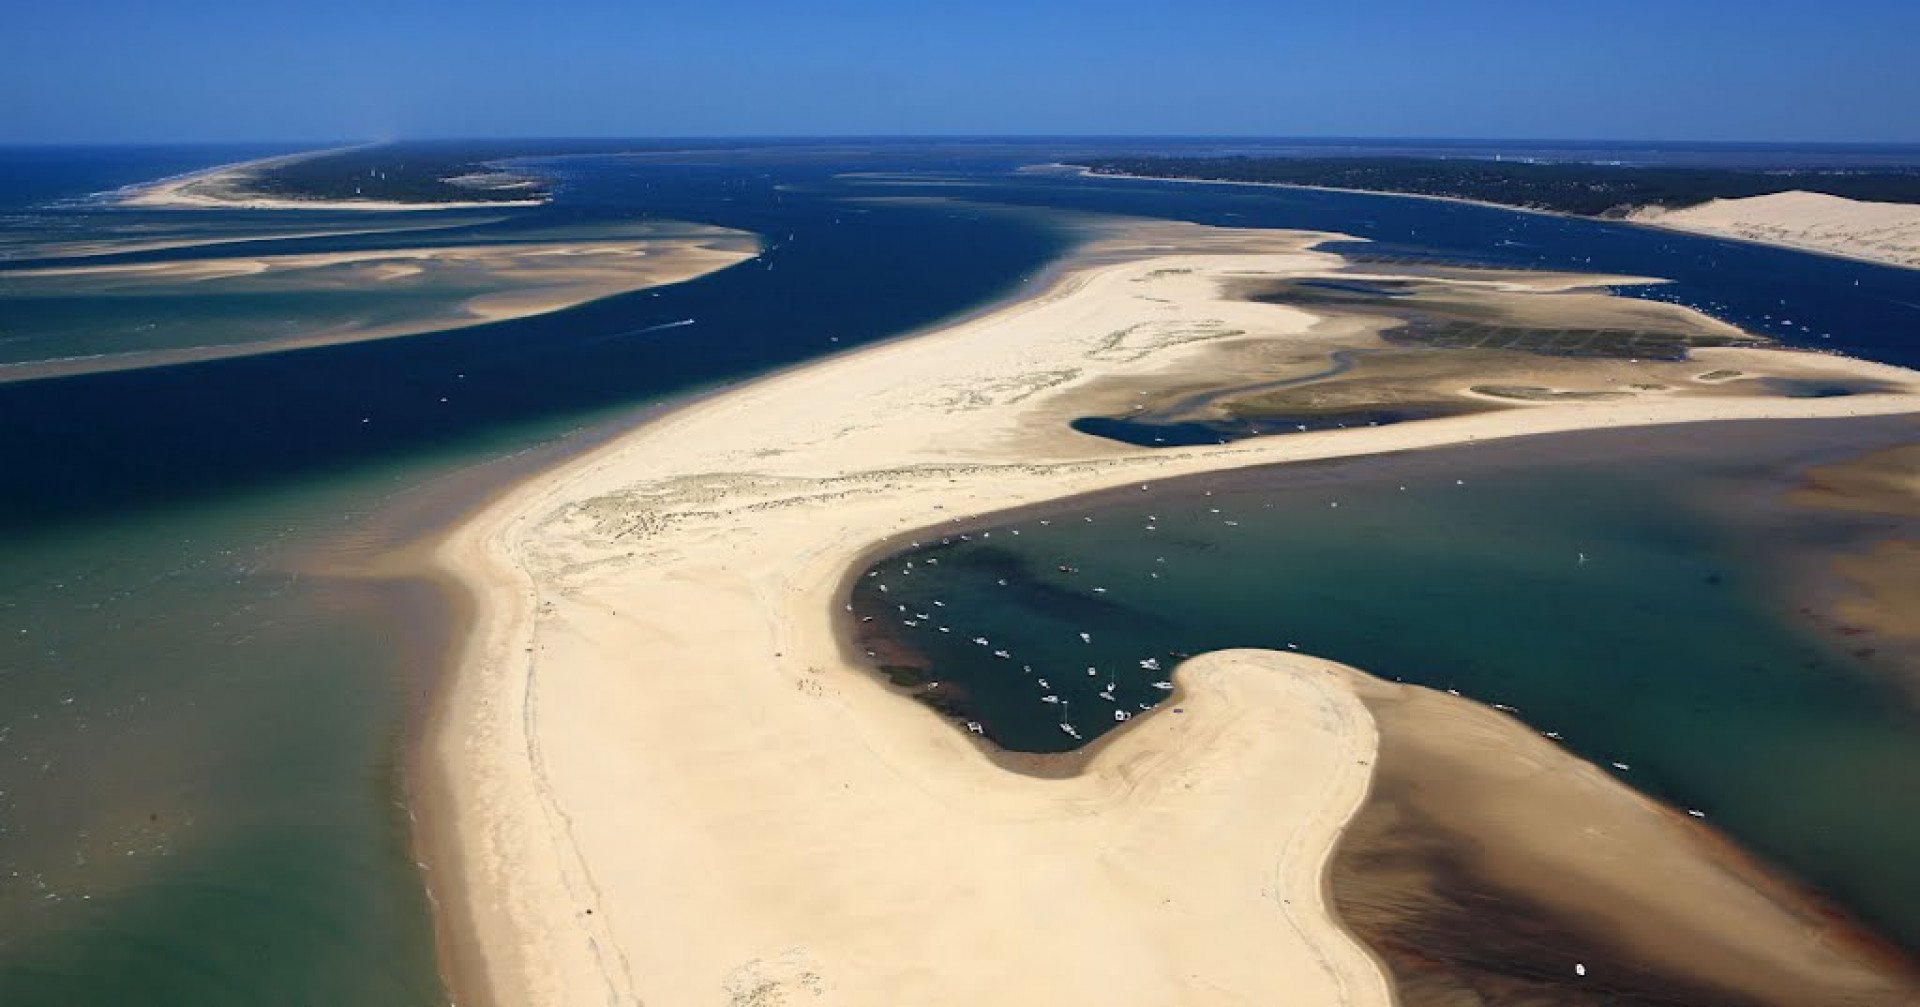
(659, 777)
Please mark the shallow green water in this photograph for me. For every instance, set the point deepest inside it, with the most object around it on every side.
(1634, 593)
(202, 798)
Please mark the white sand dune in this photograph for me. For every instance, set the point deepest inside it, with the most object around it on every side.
(1881, 232)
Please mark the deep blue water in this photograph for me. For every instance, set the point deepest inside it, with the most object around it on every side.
(841, 267)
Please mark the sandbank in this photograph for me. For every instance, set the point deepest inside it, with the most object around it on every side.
(517, 280)
(1602, 895)
(658, 774)
(139, 239)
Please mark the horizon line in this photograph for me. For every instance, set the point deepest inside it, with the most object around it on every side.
(932, 137)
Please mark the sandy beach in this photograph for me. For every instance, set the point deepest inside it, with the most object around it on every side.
(657, 774)
(1810, 221)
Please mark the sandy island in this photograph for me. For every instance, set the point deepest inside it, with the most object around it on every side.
(660, 776)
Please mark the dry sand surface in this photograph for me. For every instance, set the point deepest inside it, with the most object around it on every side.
(1881, 232)
(657, 775)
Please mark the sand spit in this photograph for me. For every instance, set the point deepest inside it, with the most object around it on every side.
(658, 776)
(227, 187)
(1585, 893)
(512, 280)
(1811, 221)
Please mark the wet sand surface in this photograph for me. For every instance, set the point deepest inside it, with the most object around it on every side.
(1489, 868)
(1878, 594)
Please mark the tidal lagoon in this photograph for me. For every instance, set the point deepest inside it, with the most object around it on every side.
(1650, 598)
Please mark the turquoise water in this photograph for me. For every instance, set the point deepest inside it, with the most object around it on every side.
(1634, 593)
(205, 723)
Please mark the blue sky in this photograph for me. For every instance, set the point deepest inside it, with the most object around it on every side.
(106, 70)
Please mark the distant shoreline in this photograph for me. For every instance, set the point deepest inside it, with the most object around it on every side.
(226, 187)
(1653, 218)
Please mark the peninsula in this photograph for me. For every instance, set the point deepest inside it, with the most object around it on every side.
(661, 771)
